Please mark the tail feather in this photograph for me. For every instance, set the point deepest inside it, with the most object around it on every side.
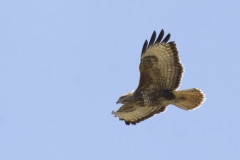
(189, 99)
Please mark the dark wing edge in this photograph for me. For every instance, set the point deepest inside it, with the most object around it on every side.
(132, 114)
(178, 65)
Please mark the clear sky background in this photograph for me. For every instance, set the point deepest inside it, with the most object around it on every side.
(64, 64)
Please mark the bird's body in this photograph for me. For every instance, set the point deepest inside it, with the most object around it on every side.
(160, 77)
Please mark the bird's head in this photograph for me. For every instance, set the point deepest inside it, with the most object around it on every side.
(126, 98)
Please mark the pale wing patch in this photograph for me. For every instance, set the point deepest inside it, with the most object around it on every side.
(167, 69)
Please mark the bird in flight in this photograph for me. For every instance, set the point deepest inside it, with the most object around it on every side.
(160, 77)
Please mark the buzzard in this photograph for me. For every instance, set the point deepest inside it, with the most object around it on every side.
(160, 76)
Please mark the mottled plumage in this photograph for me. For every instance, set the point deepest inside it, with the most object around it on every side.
(160, 77)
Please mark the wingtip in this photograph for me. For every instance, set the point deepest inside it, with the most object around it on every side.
(165, 40)
(152, 39)
(160, 36)
(144, 46)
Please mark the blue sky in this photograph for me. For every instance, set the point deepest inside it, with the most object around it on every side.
(64, 64)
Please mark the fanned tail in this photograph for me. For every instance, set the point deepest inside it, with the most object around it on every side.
(189, 99)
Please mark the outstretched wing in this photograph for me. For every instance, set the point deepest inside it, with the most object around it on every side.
(135, 114)
(160, 66)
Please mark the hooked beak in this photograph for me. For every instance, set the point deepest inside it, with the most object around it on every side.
(118, 102)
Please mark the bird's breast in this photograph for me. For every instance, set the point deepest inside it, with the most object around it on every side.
(155, 97)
